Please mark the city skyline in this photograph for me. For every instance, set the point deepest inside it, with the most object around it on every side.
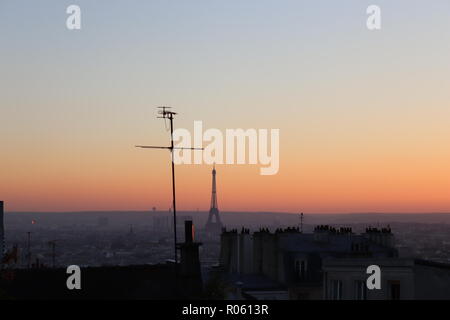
(363, 116)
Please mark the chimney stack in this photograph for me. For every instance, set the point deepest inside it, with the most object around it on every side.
(188, 232)
(190, 270)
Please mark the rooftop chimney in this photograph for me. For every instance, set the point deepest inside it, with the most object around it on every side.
(190, 271)
(188, 231)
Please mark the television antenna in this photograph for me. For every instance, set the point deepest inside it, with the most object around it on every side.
(301, 222)
(166, 114)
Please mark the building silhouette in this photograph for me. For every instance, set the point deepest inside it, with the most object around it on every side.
(213, 224)
(146, 281)
(190, 268)
(329, 263)
(401, 279)
(293, 260)
(2, 233)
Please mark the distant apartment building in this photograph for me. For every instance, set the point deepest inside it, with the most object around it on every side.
(102, 222)
(345, 279)
(161, 224)
(401, 279)
(181, 220)
(326, 264)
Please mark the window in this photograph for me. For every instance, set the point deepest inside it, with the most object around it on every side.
(394, 290)
(360, 290)
(300, 269)
(336, 289)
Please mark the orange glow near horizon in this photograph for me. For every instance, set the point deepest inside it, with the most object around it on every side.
(143, 182)
(319, 173)
(364, 117)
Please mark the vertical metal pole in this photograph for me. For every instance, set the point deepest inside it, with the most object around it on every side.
(29, 249)
(174, 206)
(169, 115)
(173, 193)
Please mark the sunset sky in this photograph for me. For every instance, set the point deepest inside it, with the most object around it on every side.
(364, 116)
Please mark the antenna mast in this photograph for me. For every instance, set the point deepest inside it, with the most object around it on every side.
(301, 222)
(52, 244)
(164, 113)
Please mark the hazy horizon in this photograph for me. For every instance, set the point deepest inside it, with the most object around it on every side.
(234, 211)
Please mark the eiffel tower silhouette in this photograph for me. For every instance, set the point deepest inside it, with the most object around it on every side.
(214, 225)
